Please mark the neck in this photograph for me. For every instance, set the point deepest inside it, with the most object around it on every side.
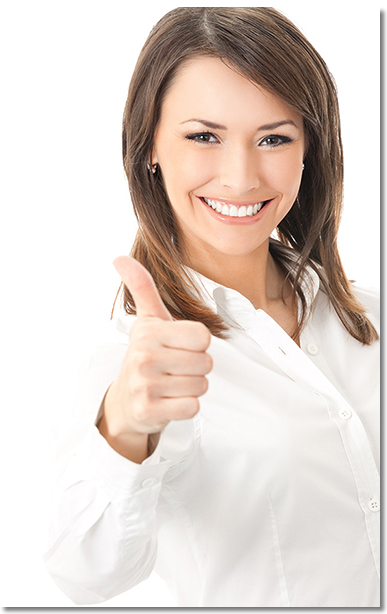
(255, 275)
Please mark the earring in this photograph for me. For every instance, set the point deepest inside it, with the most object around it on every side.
(152, 168)
(303, 166)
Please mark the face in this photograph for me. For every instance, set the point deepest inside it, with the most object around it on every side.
(230, 155)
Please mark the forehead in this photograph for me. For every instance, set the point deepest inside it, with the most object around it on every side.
(206, 86)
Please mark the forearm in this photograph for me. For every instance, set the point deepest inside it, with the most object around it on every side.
(130, 444)
(93, 564)
(101, 538)
(133, 446)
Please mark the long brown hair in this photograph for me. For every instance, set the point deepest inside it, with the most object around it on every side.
(265, 47)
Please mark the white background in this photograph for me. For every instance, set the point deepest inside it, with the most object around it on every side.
(66, 215)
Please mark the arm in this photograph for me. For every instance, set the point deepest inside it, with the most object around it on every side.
(101, 539)
(133, 446)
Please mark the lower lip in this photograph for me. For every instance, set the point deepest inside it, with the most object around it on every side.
(237, 221)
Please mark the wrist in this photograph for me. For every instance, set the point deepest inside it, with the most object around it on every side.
(131, 444)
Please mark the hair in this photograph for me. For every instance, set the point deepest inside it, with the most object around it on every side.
(250, 40)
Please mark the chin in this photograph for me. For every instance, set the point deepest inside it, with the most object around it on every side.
(237, 251)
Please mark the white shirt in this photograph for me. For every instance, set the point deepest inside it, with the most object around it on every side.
(269, 497)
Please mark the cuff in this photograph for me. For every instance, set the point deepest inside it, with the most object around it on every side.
(118, 472)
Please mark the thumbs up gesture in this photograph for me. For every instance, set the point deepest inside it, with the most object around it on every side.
(162, 374)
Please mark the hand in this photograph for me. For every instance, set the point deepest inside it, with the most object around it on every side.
(163, 372)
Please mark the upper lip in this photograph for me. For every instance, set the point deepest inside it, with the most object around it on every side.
(236, 203)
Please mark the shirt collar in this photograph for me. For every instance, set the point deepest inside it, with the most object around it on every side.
(209, 290)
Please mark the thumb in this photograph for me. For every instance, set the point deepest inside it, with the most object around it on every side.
(142, 287)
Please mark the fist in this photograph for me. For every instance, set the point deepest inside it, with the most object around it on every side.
(163, 372)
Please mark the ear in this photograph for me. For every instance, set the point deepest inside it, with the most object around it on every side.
(153, 162)
(306, 143)
(153, 159)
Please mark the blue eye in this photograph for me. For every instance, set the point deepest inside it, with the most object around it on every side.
(202, 137)
(275, 140)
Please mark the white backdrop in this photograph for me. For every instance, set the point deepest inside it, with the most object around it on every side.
(66, 215)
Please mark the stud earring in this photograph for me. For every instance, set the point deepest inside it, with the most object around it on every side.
(303, 166)
(152, 168)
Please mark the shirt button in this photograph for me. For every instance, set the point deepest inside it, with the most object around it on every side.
(148, 482)
(312, 349)
(344, 414)
(374, 504)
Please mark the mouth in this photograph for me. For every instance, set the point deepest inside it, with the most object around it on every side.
(242, 210)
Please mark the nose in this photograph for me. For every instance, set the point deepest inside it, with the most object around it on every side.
(239, 170)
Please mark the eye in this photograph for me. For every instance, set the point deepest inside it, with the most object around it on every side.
(202, 137)
(275, 140)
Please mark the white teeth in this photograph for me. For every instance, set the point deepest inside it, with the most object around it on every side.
(232, 210)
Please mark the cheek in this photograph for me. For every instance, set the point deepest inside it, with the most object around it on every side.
(185, 172)
(287, 178)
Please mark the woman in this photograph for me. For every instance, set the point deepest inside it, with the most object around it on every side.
(265, 492)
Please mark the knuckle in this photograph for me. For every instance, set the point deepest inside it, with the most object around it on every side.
(142, 389)
(144, 408)
(193, 406)
(202, 386)
(203, 335)
(205, 384)
(136, 384)
(143, 361)
(144, 330)
(208, 362)
(189, 407)
(140, 411)
(139, 329)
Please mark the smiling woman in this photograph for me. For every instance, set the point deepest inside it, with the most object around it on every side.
(230, 188)
(250, 173)
(300, 85)
(264, 494)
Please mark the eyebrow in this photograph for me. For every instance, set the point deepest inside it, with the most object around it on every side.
(277, 125)
(215, 126)
(205, 122)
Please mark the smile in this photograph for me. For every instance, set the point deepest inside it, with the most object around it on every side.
(234, 210)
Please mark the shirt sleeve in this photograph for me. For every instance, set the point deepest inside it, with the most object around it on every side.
(101, 537)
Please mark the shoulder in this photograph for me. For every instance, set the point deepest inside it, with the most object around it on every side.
(326, 321)
(370, 299)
